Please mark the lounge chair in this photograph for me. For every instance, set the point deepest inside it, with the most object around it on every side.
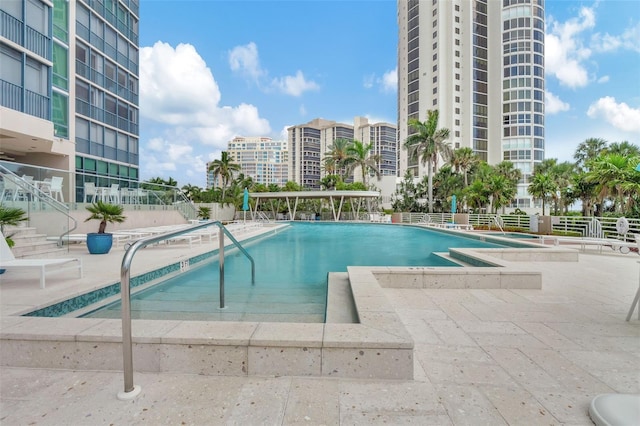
(8, 261)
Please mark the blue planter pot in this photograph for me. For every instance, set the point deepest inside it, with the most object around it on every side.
(99, 243)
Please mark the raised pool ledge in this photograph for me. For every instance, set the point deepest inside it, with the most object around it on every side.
(377, 347)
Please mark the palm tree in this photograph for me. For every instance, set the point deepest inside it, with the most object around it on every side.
(542, 187)
(334, 160)
(624, 148)
(611, 172)
(192, 192)
(359, 155)
(587, 151)
(462, 160)
(224, 168)
(426, 143)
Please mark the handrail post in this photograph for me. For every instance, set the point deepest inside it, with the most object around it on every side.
(130, 390)
(221, 263)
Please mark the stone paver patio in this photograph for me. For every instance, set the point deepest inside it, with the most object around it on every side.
(481, 357)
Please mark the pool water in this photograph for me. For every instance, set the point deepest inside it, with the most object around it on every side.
(292, 267)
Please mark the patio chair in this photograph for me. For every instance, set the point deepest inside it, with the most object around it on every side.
(55, 188)
(90, 192)
(9, 262)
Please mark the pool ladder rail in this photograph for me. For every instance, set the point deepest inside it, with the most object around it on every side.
(131, 391)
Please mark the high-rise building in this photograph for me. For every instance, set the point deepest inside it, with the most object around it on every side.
(69, 95)
(309, 143)
(262, 158)
(480, 63)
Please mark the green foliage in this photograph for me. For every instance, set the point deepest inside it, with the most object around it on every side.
(204, 212)
(11, 216)
(105, 212)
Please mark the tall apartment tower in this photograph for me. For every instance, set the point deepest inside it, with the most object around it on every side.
(69, 80)
(480, 63)
(262, 158)
(309, 143)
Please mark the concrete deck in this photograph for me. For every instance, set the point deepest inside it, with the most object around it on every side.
(481, 356)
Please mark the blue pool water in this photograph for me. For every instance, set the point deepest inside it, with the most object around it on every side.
(291, 272)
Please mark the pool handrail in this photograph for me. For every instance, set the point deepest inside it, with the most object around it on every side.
(131, 391)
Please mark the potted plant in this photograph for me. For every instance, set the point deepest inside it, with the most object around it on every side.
(204, 213)
(101, 242)
(11, 216)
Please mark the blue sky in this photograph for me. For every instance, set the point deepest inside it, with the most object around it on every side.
(211, 70)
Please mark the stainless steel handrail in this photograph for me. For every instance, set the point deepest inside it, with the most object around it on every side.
(130, 391)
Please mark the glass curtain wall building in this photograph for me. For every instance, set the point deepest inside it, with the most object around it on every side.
(480, 63)
(69, 84)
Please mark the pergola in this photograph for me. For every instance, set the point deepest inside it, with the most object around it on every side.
(294, 197)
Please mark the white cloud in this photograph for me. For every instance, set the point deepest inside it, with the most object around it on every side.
(302, 110)
(629, 40)
(390, 81)
(179, 94)
(553, 104)
(294, 85)
(245, 59)
(175, 84)
(565, 51)
(619, 115)
(603, 79)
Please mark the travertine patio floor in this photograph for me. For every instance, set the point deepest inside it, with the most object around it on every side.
(481, 357)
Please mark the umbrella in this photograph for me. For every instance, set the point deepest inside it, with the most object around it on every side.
(453, 203)
(245, 203)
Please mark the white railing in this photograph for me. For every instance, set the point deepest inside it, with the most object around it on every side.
(600, 227)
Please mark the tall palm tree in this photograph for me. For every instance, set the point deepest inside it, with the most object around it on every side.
(334, 160)
(587, 151)
(426, 143)
(542, 187)
(611, 172)
(624, 148)
(359, 155)
(462, 160)
(224, 168)
(501, 190)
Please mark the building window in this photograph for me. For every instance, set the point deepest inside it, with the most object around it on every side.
(457, 18)
(457, 87)
(457, 76)
(457, 42)
(457, 31)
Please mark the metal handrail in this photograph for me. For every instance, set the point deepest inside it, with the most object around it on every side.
(131, 391)
(498, 220)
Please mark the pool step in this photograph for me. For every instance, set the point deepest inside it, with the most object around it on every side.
(340, 305)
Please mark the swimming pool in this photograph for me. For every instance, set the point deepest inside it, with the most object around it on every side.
(291, 272)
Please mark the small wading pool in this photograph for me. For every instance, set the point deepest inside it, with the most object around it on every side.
(292, 267)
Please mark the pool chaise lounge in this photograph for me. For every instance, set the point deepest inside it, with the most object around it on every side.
(9, 262)
(616, 245)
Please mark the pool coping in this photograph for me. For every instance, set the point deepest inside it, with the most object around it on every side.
(379, 346)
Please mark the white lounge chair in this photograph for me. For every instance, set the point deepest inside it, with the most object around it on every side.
(8, 261)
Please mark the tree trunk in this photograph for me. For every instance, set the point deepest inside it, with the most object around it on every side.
(430, 186)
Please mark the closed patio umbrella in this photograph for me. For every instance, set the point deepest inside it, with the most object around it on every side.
(245, 203)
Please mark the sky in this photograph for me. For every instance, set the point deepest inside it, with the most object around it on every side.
(211, 70)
